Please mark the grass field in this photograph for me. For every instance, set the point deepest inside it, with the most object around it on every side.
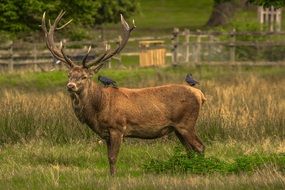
(159, 17)
(43, 146)
(164, 14)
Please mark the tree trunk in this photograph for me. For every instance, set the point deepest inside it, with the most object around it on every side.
(221, 14)
(224, 11)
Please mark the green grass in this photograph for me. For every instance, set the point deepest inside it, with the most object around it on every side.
(132, 76)
(156, 17)
(46, 166)
(162, 14)
(40, 81)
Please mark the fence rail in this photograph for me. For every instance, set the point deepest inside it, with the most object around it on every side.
(228, 47)
(193, 47)
(36, 56)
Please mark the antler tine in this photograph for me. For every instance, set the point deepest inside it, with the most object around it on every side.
(97, 60)
(44, 26)
(85, 57)
(98, 67)
(59, 17)
(59, 28)
(65, 56)
(126, 30)
(56, 52)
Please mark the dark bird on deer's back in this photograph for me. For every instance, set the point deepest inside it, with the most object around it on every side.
(189, 79)
(106, 81)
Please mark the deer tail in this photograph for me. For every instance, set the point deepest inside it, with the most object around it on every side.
(203, 98)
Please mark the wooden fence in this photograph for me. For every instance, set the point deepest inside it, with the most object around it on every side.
(270, 17)
(19, 55)
(233, 47)
(183, 47)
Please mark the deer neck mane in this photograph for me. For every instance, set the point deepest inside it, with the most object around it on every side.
(88, 102)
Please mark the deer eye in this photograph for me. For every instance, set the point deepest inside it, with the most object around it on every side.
(84, 77)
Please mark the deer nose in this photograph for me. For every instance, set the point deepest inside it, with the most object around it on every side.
(70, 85)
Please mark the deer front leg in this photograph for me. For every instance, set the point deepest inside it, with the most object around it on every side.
(113, 146)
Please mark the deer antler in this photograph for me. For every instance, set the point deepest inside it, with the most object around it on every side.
(56, 52)
(95, 64)
(98, 63)
(85, 57)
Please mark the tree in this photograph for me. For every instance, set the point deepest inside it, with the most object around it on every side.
(17, 15)
(25, 15)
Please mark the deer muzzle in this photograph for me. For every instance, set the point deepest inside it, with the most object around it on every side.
(71, 86)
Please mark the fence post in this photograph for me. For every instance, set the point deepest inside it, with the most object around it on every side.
(278, 20)
(119, 55)
(175, 41)
(108, 47)
(11, 61)
(35, 56)
(261, 17)
(271, 12)
(233, 46)
(187, 35)
(210, 45)
(198, 48)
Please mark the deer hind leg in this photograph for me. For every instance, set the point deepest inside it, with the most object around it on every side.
(190, 140)
(187, 145)
(113, 146)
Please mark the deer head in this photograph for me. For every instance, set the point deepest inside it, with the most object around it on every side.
(80, 75)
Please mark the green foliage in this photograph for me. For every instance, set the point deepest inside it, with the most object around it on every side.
(109, 10)
(267, 3)
(20, 15)
(221, 1)
(77, 34)
(199, 164)
(182, 162)
(24, 16)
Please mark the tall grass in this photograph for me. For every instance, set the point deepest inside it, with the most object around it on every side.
(35, 116)
(244, 107)
(248, 108)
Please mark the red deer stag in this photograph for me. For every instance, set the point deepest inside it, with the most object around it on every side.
(114, 113)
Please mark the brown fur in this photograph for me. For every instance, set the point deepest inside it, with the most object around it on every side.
(114, 113)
